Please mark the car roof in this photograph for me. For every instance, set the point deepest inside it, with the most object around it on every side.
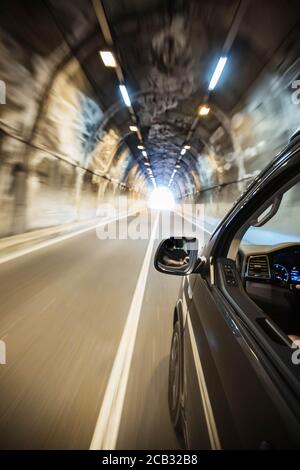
(294, 136)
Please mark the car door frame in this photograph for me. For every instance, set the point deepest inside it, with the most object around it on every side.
(274, 360)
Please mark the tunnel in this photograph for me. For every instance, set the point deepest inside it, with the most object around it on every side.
(140, 138)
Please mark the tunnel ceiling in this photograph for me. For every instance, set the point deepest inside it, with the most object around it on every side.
(168, 50)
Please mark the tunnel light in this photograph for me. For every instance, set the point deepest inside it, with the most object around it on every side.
(217, 73)
(133, 128)
(204, 110)
(144, 153)
(108, 58)
(140, 147)
(161, 198)
(125, 95)
(187, 147)
(183, 151)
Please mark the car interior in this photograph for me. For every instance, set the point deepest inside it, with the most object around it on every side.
(270, 273)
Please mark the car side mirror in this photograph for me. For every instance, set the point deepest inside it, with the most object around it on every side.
(177, 256)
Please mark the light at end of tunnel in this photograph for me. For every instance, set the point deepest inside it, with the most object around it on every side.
(161, 198)
(125, 95)
(133, 128)
(108, 58)
(204, 110)
(217, 73)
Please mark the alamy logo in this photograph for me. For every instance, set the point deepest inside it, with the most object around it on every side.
(2, 92)
(2, 352)
(296, 93)
(296, 354)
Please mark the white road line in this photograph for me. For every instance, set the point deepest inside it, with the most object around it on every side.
(108, 423)
(193, 222)
(208, 412)
(53, 241)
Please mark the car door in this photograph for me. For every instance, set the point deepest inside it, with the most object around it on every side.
(240, 388)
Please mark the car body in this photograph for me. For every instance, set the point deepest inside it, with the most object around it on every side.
(234, 378)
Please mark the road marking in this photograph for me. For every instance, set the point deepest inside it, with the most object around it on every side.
(53, 241)
(208, 412)
(194, 223)
(108, 423)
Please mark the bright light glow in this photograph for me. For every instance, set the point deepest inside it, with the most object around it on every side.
(187, 147)
(108, 58)
(144, 153)
(217, 73)
(133, 128)
(177, 166)
(140, 147)
(161, 198)
(147, 164)
(183, 151)
(125, 95)
(204, 110)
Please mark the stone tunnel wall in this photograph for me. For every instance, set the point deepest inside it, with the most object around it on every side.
(55, 167)
(261, 126)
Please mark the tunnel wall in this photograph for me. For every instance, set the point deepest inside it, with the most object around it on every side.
(260, 127)
(55, 167)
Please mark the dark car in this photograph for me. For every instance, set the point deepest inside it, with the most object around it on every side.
(234, 373)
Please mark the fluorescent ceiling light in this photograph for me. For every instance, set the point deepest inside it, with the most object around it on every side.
(217, 73)
(108, 58)
(183, 151)
(187, 147)
(125, 95)
(144, 153)
(140, 147)
(204, 110)
(133, 128)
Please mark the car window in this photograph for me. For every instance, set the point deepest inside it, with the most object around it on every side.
(284, 225)
(269, 261)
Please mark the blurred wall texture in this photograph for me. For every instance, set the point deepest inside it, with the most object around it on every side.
(57, 164)
(257, 129)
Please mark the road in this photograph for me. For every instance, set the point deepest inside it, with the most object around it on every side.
(63, 313)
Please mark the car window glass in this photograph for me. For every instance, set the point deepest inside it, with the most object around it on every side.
(283, 227)
(269, 263)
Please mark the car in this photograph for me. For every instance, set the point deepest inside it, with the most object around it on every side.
(234, 368)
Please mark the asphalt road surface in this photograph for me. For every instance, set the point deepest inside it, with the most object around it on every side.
(63, 313)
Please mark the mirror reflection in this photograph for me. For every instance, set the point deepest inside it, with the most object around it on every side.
(176, 253)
